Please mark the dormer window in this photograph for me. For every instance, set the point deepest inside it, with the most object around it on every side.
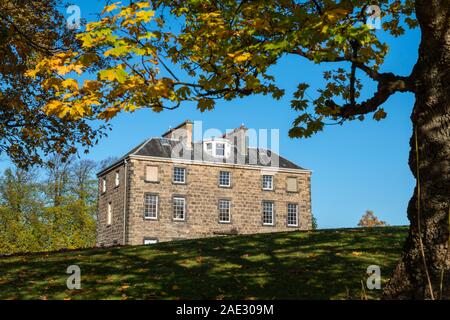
(217, 147)
(220, 149)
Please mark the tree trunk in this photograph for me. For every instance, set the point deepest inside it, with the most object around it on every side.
(425, 254)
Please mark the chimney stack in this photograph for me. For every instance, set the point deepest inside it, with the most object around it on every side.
(238, 139)
(182, 132)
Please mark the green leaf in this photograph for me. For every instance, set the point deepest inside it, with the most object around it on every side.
(205, 104)
(380, 114)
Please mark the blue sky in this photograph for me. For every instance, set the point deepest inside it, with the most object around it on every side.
(357, 166)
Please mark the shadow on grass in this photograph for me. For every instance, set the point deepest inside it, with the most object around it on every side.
(327, 264)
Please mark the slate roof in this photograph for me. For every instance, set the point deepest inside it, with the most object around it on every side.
(163, 147)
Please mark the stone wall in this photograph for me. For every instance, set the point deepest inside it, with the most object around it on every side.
(202, 192)
(114, 233)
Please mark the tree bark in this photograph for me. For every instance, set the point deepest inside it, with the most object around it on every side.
(425, 257)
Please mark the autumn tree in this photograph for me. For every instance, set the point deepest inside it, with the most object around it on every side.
(45, 210)
(20, 209)
(370, 220)
(224, 50)
(30, 31)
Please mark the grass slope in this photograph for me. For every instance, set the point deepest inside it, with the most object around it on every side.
(324, 264)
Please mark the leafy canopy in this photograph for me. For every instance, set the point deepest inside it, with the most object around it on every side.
(31, 31)
(161, 53)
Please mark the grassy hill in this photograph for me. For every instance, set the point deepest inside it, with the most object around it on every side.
(324, 264)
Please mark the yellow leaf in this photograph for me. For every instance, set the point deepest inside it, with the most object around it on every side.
(70, 84)
(144, 15)
(31, 73)
(142, 5)
(240, 57)
(110, 8)
(55, 107)
(62, 70)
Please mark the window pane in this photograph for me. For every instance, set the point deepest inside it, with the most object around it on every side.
(292, 214)
(224, 210)
(109, 214)
(224, 178)
(267, 182)
(179, 208)
(117, 178)
(179, 174)
(267, 212)
(151, 173)
(151, 206)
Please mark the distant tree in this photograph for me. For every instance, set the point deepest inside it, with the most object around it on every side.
(49, 212)
(106, 162)
(20, 210)
(58, 177)
(314, 222)
(82, 180)
(69, 226)
(370, 220)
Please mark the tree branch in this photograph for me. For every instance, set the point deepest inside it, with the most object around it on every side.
(388, 84)
(372, 73)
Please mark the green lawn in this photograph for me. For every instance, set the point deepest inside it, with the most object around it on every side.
(324, 264)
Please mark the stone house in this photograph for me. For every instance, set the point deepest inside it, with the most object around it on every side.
(172, 187)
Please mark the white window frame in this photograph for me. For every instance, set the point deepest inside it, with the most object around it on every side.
(174, 213)
(117, 179)
(224, 151)
(263, 182)
(289, 212)
(175, 175)
(150, 241)
(103, 185)
(221, 180)
(227, 208)
(146, 205)
(271, 213)
(109, 214)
